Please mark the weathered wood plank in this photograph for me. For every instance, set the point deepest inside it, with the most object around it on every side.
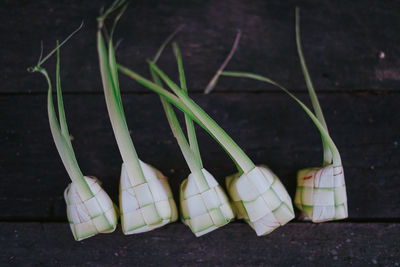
(347, 45)
(295, 244)
(270, 127)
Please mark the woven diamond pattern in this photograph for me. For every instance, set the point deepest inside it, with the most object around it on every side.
(204, 211)
(321, 193)
(260, 199)
(146, 206)
(92, 216)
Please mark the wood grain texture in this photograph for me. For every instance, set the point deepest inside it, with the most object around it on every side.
(295, 244)
(352, 51)
(270, 127)
(348, 46)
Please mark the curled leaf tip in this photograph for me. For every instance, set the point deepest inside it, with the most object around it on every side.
(41, 51)
(164, 44)
(214, 80)
(41, 61)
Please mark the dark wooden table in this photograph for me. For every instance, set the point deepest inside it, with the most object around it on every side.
(353, 52)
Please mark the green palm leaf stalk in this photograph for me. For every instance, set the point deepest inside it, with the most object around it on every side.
(89, 209)
(204, 205)
(321, 192)
(146, 200)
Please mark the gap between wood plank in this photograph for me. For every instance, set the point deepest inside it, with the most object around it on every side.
(321, 92)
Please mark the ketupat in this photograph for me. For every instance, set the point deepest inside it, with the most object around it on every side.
(321, 192)
(146, 206)
(204, 205)
(146, 201)
(87, 217)
(89, 209)
(261, 201)
(268, 192)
